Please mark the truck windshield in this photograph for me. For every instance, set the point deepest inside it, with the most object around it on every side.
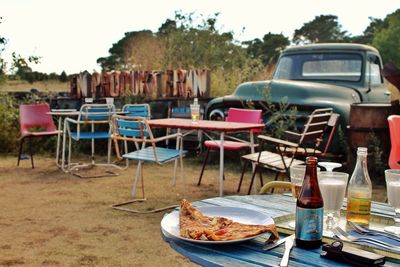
(320, 66)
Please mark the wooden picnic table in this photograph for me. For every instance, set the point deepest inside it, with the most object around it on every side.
(250, 253)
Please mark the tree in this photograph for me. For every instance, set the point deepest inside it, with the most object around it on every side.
(63, 76)
(322, 29)
(368, 34)
(136, 49)
(269, 49)
(387, 38)
(3, 43)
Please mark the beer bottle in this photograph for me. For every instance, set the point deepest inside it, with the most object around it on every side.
(359, 191)
(309, 209)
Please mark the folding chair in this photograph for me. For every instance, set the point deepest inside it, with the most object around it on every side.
(138, 131)
(34, 122)
(93, 123)
(283, 152)
(137, 110)
(234, 115)
(317, 149)
(272, 185)
(394, 128)
(134, 110)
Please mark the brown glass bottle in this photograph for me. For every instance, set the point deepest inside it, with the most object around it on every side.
(309, 209)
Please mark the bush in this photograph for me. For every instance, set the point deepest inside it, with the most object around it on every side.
(9, 124)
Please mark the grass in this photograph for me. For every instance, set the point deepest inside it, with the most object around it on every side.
(44, 86)
(49, 218)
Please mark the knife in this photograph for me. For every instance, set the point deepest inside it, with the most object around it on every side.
(269, 246)
(288, 247)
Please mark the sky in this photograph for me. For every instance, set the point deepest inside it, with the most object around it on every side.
(70, 35)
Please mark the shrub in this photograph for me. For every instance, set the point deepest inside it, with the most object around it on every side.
(9, 124)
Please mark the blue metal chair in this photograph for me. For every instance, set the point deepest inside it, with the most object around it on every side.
(137, 110)
(93, 122)
(138, 131)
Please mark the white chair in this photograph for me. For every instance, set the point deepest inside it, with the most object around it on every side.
(93, 123)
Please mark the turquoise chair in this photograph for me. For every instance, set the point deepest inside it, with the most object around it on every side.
(137, 110)
(93, 123)
(138, 131)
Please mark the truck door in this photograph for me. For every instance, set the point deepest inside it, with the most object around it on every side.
(377, 91)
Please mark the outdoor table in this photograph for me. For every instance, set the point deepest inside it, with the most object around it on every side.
(221, 127)
(250, 253)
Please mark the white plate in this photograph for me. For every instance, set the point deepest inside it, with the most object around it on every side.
(170, 222)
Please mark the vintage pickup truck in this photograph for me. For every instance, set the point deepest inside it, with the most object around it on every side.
(311, 76)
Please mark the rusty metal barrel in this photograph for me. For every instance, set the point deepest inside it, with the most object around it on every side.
(369, 121)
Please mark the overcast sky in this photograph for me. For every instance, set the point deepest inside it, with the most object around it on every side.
(71, 35)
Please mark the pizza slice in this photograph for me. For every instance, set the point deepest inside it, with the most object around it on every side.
(195, 225)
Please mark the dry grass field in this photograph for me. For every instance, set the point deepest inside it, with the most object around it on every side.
(45, 86)
(49, 218)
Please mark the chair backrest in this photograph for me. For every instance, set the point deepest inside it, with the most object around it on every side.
(245, 115)
(134, 129)
(34, 117)
(179, 112)
(316, 125)
(96, 113)
(137, 110)
(394, 128)
(332, 123)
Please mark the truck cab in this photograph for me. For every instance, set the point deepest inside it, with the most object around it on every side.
(312, 76)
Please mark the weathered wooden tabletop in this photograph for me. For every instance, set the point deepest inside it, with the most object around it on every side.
(250, 253)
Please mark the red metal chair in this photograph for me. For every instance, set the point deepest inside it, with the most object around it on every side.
(234, 115)
(394, 128)
(34, 122)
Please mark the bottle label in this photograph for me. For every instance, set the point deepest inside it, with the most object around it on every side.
(309, 223)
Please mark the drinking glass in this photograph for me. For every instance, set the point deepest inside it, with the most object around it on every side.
(296, 179)
(392, 177)
(330, 166)
(333, 189)
(195, 112)
(109, 101)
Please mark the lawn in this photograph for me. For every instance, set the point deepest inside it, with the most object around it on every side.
(49, 218)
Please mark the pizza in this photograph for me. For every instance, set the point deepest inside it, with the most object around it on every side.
(195, 225)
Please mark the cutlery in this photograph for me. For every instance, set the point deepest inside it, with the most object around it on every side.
(269, 246)
(339, 232)
(364, 230)
(288, 247)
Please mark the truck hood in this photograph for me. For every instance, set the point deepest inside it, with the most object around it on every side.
(304, 95)
(296, 91)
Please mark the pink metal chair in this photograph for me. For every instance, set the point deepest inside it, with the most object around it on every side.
(34, 122)
(394, 128)
(234, 115)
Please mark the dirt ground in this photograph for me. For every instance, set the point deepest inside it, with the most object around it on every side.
(49, 218)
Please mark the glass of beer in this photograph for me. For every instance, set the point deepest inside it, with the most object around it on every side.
(392, 177)
(296, 179)
(195, 112)
(333, 189)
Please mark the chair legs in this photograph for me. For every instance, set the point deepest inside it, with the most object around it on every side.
(31, 152)
(21, 144)
(242, 174)
(204, 165)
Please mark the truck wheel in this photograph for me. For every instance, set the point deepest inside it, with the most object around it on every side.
(217, 115)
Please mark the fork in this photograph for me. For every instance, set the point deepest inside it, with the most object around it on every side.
(345, 236)
(364, 230)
